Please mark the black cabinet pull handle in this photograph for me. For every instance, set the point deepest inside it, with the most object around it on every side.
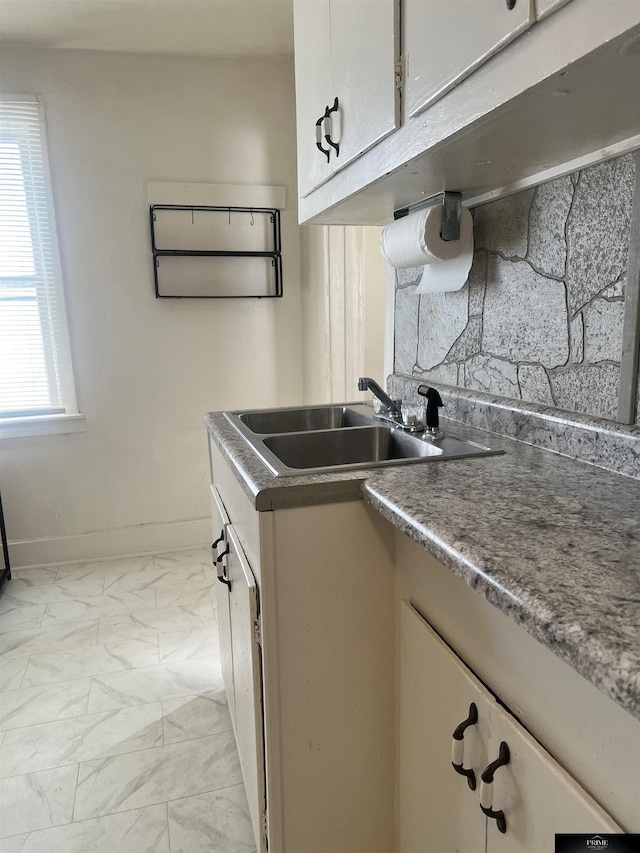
(220, 572)
(218, 541)
(511, 4)
(486, 787)
(327, 136)
(334, 145)
(457, 747)
(221, 576)
(319, 145)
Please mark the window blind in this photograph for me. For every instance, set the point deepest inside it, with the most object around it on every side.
(34, 351)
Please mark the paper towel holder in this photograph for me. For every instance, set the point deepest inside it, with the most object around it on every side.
(451, 212)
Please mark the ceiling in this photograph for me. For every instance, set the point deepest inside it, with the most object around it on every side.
(201, 27)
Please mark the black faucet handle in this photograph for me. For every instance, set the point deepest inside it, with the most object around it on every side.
(434, 402)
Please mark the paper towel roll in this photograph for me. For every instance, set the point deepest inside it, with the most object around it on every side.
(415, 241)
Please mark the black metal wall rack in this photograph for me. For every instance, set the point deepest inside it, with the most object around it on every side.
(234, 252)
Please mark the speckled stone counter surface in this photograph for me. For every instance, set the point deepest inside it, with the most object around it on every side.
(552, 542)
(609, 445)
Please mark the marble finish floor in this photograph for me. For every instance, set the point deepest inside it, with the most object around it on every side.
(115, 735)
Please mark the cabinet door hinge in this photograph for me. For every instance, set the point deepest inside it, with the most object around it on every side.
(257, 631)
(264, 824)
(398, 70)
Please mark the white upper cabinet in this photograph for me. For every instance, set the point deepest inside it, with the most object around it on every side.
(363, 73)
(501, 120)
(313, 88)
(346, 55)
(445, 40)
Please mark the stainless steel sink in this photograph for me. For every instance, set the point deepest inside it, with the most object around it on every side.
(300, 420)
(347, 447)
(320, 439)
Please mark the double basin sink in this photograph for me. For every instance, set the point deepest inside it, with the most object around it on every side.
(320, 439)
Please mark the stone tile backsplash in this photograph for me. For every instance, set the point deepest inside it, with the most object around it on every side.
(541, 316)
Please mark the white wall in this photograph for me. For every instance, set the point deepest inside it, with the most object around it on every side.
(375, 303)
(147, 370)
(315, 313)
(344, 299)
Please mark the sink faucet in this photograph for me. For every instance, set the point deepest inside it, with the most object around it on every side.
(394, 406)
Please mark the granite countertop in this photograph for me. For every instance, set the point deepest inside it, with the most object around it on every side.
(552, 542)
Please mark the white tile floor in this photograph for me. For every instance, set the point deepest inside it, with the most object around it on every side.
(114, 731)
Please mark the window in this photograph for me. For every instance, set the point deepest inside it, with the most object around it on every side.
(36, 383)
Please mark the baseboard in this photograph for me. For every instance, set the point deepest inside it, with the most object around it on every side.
(119, 542)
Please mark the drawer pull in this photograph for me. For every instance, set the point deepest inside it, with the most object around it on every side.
(457, 747)
(486, 787)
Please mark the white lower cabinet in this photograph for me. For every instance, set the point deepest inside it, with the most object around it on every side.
(239, 631)
(528, 796)
(344, 699)
(320, 580)
(435, 805)
(220, 522)
(247, 681)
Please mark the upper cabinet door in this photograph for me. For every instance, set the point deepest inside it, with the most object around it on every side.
(346, 50)
(445, 40)
(313, 88)
(364, 60)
